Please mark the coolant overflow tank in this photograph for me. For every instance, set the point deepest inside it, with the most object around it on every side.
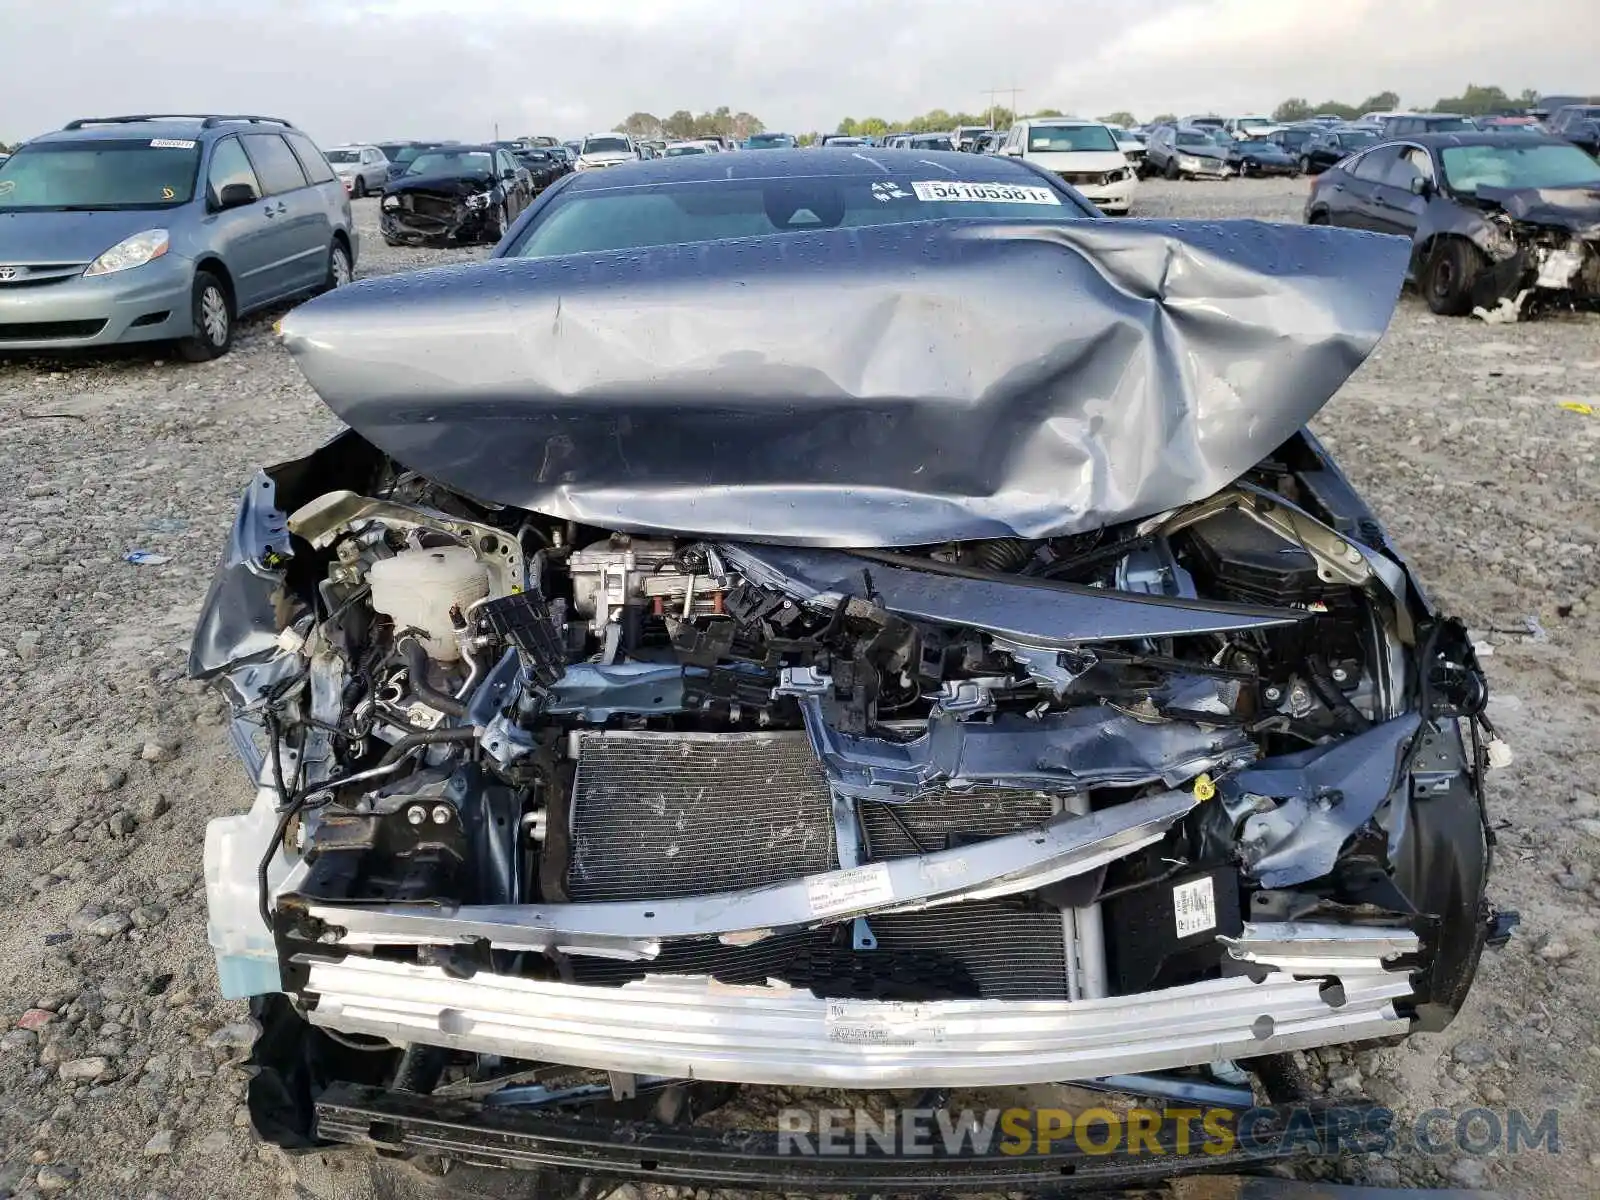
(417, 588)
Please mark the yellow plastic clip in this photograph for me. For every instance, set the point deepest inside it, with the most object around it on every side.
(1204, 788)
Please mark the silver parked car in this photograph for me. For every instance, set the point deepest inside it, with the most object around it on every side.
(152, 228)
(362, 169)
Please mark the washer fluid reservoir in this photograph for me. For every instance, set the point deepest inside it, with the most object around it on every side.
(417, 588)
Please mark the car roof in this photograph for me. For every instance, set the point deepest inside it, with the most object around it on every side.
(865, 162)
(183, 128)
(1485, 137)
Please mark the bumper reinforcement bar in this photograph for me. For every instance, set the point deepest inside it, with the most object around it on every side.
(695, 1027)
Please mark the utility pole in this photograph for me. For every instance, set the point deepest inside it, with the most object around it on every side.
(1012, 91)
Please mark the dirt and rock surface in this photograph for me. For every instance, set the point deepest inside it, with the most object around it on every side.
(117, 1056)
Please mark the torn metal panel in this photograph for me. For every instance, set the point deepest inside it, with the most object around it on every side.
(1037, 613)
(1061, 848)
(1070, 751)
(1024, 380)
(1299, 809)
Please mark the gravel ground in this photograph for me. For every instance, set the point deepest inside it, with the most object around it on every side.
(116, 1053)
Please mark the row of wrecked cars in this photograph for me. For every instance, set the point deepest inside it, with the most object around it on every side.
(944, 661)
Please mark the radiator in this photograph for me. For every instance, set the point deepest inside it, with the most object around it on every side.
(662, 815)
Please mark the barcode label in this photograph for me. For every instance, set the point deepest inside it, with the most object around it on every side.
(1194, 905)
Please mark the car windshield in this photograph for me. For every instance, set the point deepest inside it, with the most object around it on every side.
(452, 162)
(606, 145)
(931, 141)
(1467, 168)
(769, 141)
(1046, 139)
(1296, 137)
(1449, 125)
(639, 215)
(343, 156)
(101, 174)
(675, 151)
(1195, 138)
(1252, 122)
(402, 154)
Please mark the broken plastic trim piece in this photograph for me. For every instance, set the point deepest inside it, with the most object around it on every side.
(1065, 846)
(694, 1027)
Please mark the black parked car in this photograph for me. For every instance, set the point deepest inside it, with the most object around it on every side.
(1319, 153)
(400, 154)
(452, 195)
(544, 166)
(1493, 217)
(1261, 156)
(1294, 137)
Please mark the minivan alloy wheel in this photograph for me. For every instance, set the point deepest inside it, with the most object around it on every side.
(214, 315)
(339, 272)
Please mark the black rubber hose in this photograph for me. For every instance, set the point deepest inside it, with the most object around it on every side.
(1338, 703)
(426, 737)
(416, 660)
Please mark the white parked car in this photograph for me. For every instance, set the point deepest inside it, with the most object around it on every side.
(362, 169)
(1251, 127)
(1082, 153)
(606, 150)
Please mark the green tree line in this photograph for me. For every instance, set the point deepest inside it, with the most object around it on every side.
(683, 124)
(1475, 101)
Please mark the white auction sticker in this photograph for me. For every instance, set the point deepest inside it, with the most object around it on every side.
(849, 891)
(882, 1023)
(977, 193)
(171, 144)
(1195, 905)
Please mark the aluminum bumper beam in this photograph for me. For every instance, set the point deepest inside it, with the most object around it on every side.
(1065, 846)
(694, 1027)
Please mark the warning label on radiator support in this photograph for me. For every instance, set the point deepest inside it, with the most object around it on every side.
(849, 891)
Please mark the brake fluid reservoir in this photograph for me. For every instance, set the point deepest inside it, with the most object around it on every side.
(417, 588)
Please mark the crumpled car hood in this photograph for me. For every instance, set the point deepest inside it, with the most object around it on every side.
(886, 386)
(1574, 208)
(443, 185)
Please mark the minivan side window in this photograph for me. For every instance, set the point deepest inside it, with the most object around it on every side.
(229, 165)
(316, 167)
(276, 166)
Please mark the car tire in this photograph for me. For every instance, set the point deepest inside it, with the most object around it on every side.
(1318, 218)
(212, 310)
(1171, 171)
(358, 190)
(340, 269)
(1453, 268)
(389, 241)
(1305, 164)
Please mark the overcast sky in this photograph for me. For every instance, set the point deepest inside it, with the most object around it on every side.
(370, 69)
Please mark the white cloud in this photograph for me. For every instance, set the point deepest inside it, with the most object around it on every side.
(390, 68)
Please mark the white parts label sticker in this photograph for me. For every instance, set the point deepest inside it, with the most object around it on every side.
(1195, 906)
(849, 891)
(170, 144)
(882, 1023)
(979, 193)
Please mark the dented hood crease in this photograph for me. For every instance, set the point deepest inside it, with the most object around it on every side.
(891, 385)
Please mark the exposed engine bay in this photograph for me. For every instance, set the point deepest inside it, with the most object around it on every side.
(531, 792)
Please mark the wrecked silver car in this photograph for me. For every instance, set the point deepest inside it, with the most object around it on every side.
(928, 654)
(1502, 224)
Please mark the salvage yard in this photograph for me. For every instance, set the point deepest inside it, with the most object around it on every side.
(1477, 443)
